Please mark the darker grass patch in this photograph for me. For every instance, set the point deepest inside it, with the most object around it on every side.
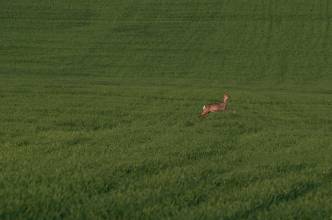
(199, 155)
(22, 143)
(86, 124)
(287, 168)
(140, 169)
(76, 141)
(53, 17)
(189, 124)
(294, 193)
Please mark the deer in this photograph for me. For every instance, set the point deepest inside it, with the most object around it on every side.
(215, 107)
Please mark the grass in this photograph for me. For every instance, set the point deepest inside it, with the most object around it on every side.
(99, 104)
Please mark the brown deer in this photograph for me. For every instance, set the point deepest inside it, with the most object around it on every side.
(215, 107)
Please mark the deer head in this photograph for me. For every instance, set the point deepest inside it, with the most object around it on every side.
(226, 97)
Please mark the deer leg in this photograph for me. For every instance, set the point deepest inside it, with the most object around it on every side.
(204, 114)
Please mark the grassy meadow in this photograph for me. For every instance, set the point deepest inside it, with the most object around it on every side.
(99, 105)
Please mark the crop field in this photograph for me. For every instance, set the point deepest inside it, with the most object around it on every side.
(99, 106)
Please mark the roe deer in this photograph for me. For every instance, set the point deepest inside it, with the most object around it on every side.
(215, 107)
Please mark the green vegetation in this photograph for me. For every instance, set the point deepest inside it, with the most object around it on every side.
(99, 104)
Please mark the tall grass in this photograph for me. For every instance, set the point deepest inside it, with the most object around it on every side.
(99, 105)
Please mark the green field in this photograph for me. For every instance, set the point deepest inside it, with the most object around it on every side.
(99, 105)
